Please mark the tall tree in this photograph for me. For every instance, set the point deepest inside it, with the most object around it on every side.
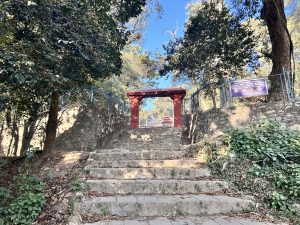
(273, 14)
(215, 46)
(52, 46)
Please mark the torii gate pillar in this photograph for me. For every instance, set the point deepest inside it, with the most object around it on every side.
(135, 102)
(176, 94)
(177, 103)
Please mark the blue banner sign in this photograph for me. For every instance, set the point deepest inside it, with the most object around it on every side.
(249, 88)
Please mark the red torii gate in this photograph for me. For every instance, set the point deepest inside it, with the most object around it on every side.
(176, 94)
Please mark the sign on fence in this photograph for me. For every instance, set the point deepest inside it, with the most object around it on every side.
(249, 88)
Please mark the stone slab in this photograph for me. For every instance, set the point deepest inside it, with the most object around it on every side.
(143, 155)
(178, 163)
(156, 186)
(148, 173)
(212, 220)
(163, 205)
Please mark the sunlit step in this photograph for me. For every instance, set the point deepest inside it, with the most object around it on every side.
(156, 186)
(148, 173)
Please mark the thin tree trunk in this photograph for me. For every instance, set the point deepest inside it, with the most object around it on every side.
(51, 127)
(29, 129)
(275, 19)
(1, 138)
(14, 144)
(213, 97)
(8, 116)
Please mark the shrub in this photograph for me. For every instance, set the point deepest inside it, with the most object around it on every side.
(5, 196)
(267, 141)
(27, 203)
(265, 162)
(25, 208)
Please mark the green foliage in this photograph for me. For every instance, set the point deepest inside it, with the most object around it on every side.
(25, 209)
(76, 185)
(278, 201)
(269, 153)
(3, 163)
(104, 211)
(25, 205)
(5, 196)
(215, 46)
(267, 141)
(60, 45)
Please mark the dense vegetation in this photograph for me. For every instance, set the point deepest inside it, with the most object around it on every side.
(49, 48)
(209, 57)
(22, 205)
(216, 46)
(264, 161)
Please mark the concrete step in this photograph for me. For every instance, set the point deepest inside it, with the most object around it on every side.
(146, 155)
(205, 220)
(146, 146)
(178, 163)
(156, 186)
(163, 205)
(126, 149)
(150, 138)
(154, 130)
(147, 173)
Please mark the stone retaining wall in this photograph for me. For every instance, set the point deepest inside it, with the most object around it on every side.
(80, 129)
(92, 129)
(243, 115)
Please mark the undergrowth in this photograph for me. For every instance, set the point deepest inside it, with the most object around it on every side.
(22, 203)
(264, 161)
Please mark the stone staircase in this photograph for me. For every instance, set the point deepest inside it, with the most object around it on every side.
(143, 177)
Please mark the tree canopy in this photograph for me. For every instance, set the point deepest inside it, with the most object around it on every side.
(215, 46)
(51, 46)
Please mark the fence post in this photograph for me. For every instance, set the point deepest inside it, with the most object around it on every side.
(222, 96)
(286, 85)
(124, 105)
(291, 86)
(62, 102)
(227, 94)
(282, 86)
(109, 101)
(192, 103)
(92, 95)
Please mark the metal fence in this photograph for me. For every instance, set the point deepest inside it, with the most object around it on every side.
(92, 96)
(289, 91)
(71, 101)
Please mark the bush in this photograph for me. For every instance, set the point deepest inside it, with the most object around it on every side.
(267, 141)
(266, 164)
(26, 205)
(5, 196)
(25, 208)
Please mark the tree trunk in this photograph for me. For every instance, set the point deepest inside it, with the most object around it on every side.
(29, 129)
(14, 143)
(273, 15)
(213, 97)
(51, 127)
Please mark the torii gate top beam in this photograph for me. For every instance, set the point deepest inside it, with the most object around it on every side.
(176, 94)
(157, 92)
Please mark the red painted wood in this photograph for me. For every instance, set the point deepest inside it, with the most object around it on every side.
(177, 102)
(135, 102)
(157, 92)
(177, 94)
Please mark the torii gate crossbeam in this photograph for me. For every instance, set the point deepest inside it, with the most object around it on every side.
(176, 94)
